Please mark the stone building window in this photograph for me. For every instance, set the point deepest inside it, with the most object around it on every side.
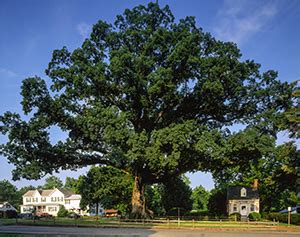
(234, 208)
(243, 192)
(252, 207)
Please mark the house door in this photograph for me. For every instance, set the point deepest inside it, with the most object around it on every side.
(244, 211)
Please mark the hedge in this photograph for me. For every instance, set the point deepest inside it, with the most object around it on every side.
(254, 216)
(283, 217)
(235, 216)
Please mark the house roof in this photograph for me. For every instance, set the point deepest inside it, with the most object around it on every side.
(296, 208)
(7, 206)
(48, 192)
(73, 197)
(234, 193)
(29, 193)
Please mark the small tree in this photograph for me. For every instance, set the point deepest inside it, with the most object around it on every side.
(62, 212)
(176, 194)
(106, 185)
(200, 197)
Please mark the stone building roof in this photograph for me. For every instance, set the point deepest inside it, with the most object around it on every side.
(234, 193)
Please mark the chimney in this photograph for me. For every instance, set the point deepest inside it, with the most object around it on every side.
(255, 184)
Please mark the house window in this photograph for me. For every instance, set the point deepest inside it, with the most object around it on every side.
(243, 192)
(43, 199)
(234, 208)
(34, 199)
(27, 209)
(67, 201)
(252, 207)
(52, 209)
(28, 199)
(54, 199)
(61, 199)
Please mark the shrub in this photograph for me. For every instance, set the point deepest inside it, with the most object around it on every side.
(254, 216)
(10, 214)
(235, 216)
(63, 212)
(283, 217)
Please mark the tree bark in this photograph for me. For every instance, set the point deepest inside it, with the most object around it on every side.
(138, 199)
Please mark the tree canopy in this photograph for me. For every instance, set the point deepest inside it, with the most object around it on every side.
(8, 193)
(53, 182)
(106, 185)
(147, 95)
(200, 197)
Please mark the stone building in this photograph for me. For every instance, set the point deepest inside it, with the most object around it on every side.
(243, 200)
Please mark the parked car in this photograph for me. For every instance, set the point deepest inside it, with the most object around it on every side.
(74, 215)
(25, 215)
(43, 215)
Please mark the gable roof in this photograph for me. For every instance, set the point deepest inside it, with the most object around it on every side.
(73, 197)
(29, 193)
(48, 192)
(235, 193)
(6, 206)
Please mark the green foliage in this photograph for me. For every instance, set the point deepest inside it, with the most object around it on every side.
(62, 212)
(295, 218)
(53, 182)
(235, 216)
(254, 216)
(147, 95)
(176, 194)
(200, 197)
(154, 200)
(292, 116)
(217, 202)
(8, 193)
(72, 184)
(106, 185)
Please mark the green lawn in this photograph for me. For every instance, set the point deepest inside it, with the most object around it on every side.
(89, 221)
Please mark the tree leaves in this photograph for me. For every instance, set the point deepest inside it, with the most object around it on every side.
(149, 95)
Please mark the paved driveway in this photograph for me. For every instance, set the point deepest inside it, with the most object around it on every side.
(132, 232)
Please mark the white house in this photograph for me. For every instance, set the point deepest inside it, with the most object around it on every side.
(50, 201)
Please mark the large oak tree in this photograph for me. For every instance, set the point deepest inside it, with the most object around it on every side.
(148, 95)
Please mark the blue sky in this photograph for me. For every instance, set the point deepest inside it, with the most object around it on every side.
(265, 31)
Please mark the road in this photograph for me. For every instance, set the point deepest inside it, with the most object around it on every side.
(133, 232)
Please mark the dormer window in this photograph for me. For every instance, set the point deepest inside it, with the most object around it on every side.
(243, 192)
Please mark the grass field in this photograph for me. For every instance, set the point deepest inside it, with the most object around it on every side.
(114, 222)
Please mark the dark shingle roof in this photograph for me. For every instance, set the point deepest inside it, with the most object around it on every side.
(235, 193)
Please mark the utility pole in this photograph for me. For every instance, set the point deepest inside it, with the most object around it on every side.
(178, 216)
(289, 215)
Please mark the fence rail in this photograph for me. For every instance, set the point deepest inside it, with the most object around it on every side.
(161, 222)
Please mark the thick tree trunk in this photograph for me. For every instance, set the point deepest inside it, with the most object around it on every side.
(138, 199)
